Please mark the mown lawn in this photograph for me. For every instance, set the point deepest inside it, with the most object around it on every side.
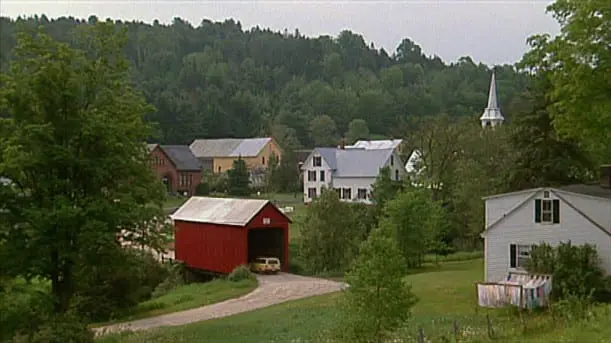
(190, 296)
(446, 295)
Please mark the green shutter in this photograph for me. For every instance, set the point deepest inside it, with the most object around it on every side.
(538, 211)
(556, 211)
(512, 256)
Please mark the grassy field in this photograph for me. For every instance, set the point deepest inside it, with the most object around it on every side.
(190, 296)
(446, 295)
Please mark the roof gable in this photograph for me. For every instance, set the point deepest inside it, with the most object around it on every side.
(223, 211)
(535, 192)
(182, 157)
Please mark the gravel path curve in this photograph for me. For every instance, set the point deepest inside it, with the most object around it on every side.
(272, 290)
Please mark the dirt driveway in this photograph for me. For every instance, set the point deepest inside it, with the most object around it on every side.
(272, 290)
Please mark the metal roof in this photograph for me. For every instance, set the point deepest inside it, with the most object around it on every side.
(182, 157)
(361, 162)
(214, 147)
(355, 162)
(228, 147)
(250, 147)
(224, 211)
(377, 144)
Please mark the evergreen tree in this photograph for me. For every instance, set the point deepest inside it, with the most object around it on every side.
(238, 178)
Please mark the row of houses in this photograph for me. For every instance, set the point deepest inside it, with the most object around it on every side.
(181, 167)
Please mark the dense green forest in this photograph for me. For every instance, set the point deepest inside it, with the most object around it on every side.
(219, 80)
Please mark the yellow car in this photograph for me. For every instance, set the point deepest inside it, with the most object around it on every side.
(265, 265)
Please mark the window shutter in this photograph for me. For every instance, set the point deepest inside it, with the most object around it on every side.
(538, 211)
(512, 256)
(556, 210)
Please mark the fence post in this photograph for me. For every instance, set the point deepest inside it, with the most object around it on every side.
(490, 332)
(455, 330)
(420, 335)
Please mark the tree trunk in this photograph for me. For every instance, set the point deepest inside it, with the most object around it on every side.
(61, 283)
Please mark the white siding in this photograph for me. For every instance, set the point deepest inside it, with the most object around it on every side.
(397, 166)
(497, 207)
(308, 166)
(596, 208)
(520, 228)
(354, 183)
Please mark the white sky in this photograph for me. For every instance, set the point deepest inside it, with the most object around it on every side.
(493, 32)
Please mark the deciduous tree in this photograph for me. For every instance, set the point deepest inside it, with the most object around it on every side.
(378, 299)
(73, 145)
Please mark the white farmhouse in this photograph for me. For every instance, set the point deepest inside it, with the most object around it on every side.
(515, 221)
(350, 171)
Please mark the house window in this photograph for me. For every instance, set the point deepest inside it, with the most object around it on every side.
(311, 193)
(547, 211)
(263, 160)
(347, 193)
(396, 175)
(339, 192)
(311, 175)
(322, 176)
(361, 193)
(219, 169)
(519, 254)
(317, 161)
(392, 160)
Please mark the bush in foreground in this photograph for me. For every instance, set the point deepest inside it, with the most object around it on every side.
(240, 273)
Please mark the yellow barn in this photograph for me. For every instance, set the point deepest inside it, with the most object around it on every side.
(218, 154)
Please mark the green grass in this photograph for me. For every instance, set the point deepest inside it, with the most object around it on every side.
(190, 296)
(446, 293)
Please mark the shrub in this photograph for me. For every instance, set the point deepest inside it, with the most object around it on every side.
(20, 301)
(174, 279)
(202, 189)
(240, 273)
(109, 290)
(63, 329)
(576, 270)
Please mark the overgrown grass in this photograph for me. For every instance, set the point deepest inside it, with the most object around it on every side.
(447, 294)
(190, 296)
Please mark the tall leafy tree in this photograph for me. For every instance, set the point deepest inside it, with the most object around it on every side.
(323, 131)
(73, 146)
(357, 129)
(331, 233)
(579, 62)
(379, 299)
(542, 157)
(417, 222)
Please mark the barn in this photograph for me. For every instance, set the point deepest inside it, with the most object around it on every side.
(219, 234)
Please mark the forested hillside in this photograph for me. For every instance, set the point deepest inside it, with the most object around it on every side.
(219, 80)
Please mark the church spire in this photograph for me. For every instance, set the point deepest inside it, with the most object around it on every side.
(492, 113)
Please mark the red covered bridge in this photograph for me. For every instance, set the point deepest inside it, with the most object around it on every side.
(219, 234)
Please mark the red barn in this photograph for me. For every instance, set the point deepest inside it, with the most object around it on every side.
(219, 234)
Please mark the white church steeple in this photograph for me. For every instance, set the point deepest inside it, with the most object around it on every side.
(492, 114)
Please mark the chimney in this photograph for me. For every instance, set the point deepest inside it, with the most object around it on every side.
(605, 176)
(342, 144)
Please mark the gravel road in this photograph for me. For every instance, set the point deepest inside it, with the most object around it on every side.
(272, 290)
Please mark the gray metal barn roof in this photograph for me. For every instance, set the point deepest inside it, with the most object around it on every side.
(228, 147)
(224, 211)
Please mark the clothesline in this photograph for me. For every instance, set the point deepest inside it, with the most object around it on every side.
(517, 289)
